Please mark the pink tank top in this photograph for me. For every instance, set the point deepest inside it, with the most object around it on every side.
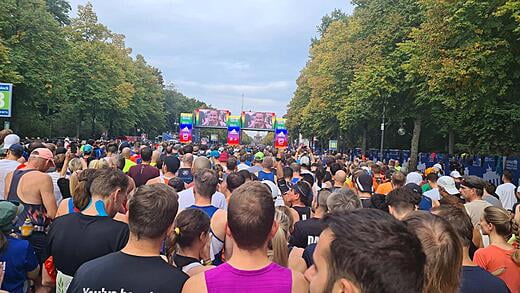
(225, 278)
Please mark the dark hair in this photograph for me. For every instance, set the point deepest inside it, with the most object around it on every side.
(250, 215)
(151, 210)
(507, 174)
(187, 149)
(107, 181)
(443, 251)
(82, 195)
(287, 172)
(177, 184)
(231, 163)
(188, 226)
(459, 220)
(304, 190)
(172, 164)
(334, 167)
(234, 180)
(358, 254)
(398, 179)
(432, 176)
(243, 158)
(246, 174)
(402, 200)
(206, 182)
(112, 148)
(146, 154)
(308, 178)
(490, 188)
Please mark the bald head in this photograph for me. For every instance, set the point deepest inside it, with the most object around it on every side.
(187, 160)
(200, 163)
(126, 153)
(340, 177)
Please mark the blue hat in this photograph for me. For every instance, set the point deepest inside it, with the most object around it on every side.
(215, 154)
(16, 149)
(87, 148)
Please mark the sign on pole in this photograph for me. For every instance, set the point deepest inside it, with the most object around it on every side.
(233, 124)
(185, 127)
(280, 137)
(6, 93)
(333, 145)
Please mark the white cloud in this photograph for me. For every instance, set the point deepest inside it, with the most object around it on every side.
(237, 88)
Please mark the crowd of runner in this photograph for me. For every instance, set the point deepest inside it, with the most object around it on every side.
(115, 216)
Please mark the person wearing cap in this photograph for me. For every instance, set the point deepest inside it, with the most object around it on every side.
(257, 166)
(472, 189)
(456, 176)
(17, 255)
(448, 191)
(9, 164)
(10, 140)
(299, 198)
(33, 187)
(364, 188)
(87, 153)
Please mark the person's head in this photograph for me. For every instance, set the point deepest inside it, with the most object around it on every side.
(112, 149)
(259, 118)
(187, 149)
(299, 193)
(146, 154)
(213, 117)
(489, 188)
(126, 153)
(334, 167)
(75, 165)
(340, 177)
(177, 184)
(8, 212)
(401, 201)
(111, 185)
(268, 163)
(279, 246)
(206, 182)
(80, 186)
(15, 151)
(250, 216)
(343, 200)
(364, 182)
(443, 251)
(432, 178)
(296, 168)
(170, 165)
(151, 211)
(233, 181)
(320, 201)
(287, 173)
(231, 164)
(98, 164)
(507, 176)
(41, 159)
(200, 163)
(243, 158)
(246, 174)
(350, 256)
(472, 188)
(459, 220)
(191, 229)
(187, 160)
(398, 179)
(498, 221)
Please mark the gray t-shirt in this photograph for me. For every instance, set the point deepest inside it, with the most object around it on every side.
(475, 209)
(492, 200)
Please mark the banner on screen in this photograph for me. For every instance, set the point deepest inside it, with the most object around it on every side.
(233, 124)
(185, 128)
(258, 120)
(211, 118)
(280, 139)
(6, 92)
(233, 121)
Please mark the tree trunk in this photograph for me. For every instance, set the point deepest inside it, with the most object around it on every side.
(92, 132)
(79, 124)
(364, 140)
(414, 150)
(451, 142)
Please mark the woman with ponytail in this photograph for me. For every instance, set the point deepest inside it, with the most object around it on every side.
(500, 258)
(189, 243)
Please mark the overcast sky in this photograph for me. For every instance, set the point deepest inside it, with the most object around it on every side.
(216, 51)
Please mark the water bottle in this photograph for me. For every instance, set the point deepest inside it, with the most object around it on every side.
(27, 228)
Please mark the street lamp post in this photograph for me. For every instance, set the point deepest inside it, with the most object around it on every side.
(382, 132)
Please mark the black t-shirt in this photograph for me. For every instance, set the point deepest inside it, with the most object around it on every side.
(307, 254)
(306, 232)
(185, 174)
(120, 272)
(75, 238)
(476, 280)
(304, 212)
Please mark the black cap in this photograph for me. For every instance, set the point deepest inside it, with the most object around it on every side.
(473, 182)
(16, 149)
(172, 163)
(364, 183)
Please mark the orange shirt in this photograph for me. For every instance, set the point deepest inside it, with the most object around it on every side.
(493, 258)
(384, 188)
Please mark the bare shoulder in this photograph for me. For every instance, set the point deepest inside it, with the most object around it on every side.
(299, 284)
(196, 283)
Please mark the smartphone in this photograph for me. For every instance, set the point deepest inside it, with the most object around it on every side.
(282, 184)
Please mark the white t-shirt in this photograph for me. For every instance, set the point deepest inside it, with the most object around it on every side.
(6, 166)
(57, 193)
(187, 199)
(433, 194)
(507, 195)
(242, 166)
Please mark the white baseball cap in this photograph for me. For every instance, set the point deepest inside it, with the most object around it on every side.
(455, 174)
(10, 139)
(438, 166)
(414, 177)
(448, 184)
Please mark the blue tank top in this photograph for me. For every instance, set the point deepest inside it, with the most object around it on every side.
(262, 175)
(209, 210)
